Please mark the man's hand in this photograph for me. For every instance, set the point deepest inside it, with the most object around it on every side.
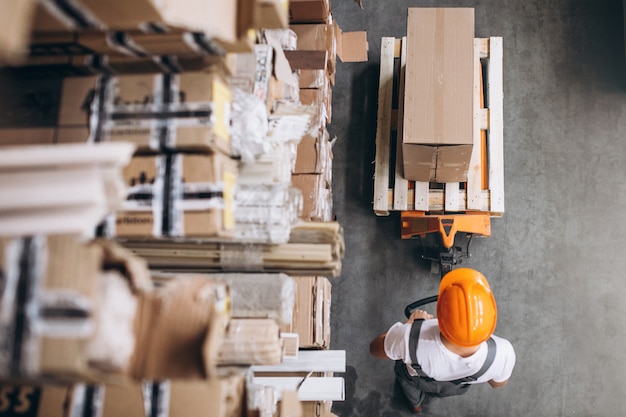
(495, 384)
(419, 314)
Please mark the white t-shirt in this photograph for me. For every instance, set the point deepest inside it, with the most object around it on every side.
(441, 364)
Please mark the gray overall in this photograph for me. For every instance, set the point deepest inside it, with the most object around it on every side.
(415, 387)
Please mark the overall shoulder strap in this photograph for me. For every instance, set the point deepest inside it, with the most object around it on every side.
(491, 355)
(413, 342)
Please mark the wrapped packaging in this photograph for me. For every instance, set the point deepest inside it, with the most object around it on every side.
(251, 342)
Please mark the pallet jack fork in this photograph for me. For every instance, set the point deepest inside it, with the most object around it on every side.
(417, 224)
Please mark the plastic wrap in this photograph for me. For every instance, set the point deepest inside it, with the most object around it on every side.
(272, 167)
(260, 295)
(262, 399)
(251, 342)
(290, 122)
(266, 213)
(287, 38)
(114, 340)
(249, 126)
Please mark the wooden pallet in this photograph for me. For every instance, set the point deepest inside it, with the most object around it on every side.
(392, 192)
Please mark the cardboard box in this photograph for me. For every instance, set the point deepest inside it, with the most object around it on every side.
(203, 195)
(303, 11)
(313, 78)
(15, 28)
(178, 329)
(318, 37)
(438, 103)
(217, 19)
(351, 46)
(142, 212)
(317, 196)
(312, 312)
(313, 154)
(61, 288)
(72, 122)
(124, 400)
(321, 98)
(265, 14)
(218, 397)
(188, 111)
(35, 401)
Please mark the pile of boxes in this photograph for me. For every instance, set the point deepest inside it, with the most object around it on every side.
(166, 77)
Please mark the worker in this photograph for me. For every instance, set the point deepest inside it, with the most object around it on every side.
(445, 356)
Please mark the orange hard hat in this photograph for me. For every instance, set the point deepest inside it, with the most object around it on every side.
(466, 308)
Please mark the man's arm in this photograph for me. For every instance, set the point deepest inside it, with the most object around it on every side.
(496, 385)
(377, 347)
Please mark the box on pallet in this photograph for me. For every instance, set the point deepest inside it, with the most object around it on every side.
(438, 98)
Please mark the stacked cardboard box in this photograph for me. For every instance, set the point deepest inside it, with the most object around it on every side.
(57, 30)
(168, 94)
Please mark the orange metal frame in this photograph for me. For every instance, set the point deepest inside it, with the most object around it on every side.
(418, 223)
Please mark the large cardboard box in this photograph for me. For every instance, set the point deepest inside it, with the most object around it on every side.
(217, 19)
(311, 319)
(71, 124)
(203, 189)
(188, 111)
(438, 102)
(178, 329)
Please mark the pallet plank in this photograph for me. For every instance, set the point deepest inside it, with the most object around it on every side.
(474, 173)
(383, 128)
(496, 125)
(401, 186)
(452, 196)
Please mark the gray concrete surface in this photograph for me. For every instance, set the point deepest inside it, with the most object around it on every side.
(556, 260)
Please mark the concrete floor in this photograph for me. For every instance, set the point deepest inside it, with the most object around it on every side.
(556, 260)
